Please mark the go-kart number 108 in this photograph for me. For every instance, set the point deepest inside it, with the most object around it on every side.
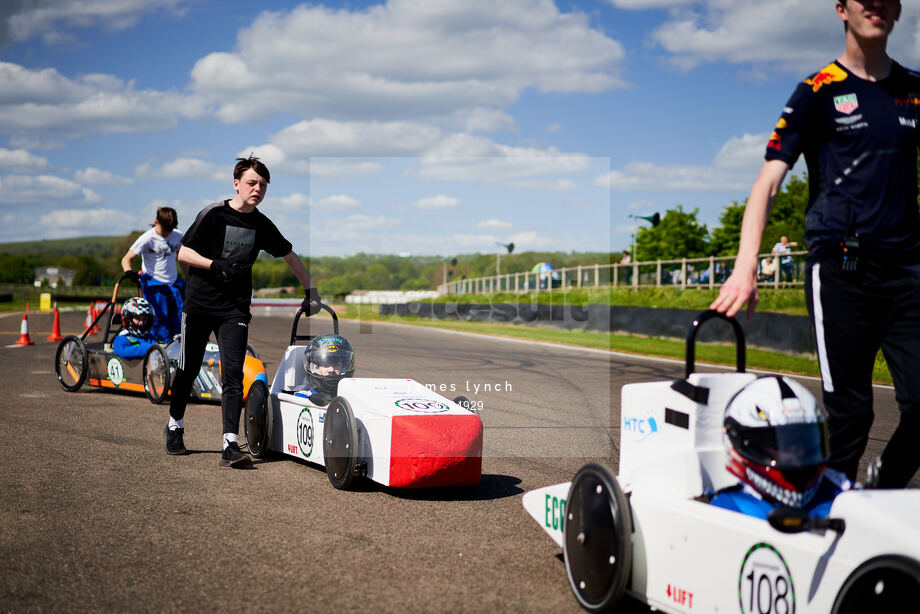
(765, 585)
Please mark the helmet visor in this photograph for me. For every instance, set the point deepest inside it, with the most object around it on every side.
(332, 363)
(791, 446)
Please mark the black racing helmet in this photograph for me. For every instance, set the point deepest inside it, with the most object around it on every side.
(137, 316)
(327, 360)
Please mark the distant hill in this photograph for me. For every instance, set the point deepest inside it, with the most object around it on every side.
(51, 249)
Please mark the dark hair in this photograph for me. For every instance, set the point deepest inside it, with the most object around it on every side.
(167, 218)
(244, 164)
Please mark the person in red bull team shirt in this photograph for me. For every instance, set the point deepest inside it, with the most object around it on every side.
(855, 121)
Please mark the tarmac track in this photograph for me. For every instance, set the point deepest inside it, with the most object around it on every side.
(94, 516)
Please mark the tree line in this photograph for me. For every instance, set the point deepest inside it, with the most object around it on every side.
(678, 235)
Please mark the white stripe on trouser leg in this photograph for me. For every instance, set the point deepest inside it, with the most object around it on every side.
(818, 310)
(182, 343)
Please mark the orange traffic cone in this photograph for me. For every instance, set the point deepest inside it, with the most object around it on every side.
(88, 327)
(24, 332)
(56, 327)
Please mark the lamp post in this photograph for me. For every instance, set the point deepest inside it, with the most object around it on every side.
(654, 220)
(498, 256)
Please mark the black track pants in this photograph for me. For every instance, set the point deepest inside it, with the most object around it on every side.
(853, 315)
(232, 334)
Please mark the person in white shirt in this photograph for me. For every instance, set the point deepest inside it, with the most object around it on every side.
(159, 277)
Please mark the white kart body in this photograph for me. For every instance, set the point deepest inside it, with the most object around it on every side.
(690, 556)
(408, 436)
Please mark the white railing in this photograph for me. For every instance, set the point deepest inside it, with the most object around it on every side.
(684, 273)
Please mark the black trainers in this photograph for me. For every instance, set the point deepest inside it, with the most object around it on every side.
(174, 443)
(232, 456)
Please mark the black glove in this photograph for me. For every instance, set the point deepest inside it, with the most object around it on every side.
(320, 398)
(312, 303)
(225, 270)
(133, 276)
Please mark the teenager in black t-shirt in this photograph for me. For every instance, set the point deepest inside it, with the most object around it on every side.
(220, 248)
(856, 123)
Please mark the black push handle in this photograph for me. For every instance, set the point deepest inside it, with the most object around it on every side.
(695, 327)
(295, 337)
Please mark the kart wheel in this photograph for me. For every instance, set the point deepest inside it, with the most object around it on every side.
(597, 539)
(340, 443)
(257, 424)
(156, 374)
(884, 584)
(71, 362)
(464, 402)
(252, 351)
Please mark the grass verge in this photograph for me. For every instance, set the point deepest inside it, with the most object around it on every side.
(714, 353)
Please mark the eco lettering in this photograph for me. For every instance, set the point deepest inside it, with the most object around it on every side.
(555, 512)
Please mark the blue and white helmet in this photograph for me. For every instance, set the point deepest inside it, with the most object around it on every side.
(776, 437)
(137, 316)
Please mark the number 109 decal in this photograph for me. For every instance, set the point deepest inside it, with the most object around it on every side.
(765, 585)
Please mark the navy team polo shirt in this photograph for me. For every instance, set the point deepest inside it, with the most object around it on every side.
(860, 141)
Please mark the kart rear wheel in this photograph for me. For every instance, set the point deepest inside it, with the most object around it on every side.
(340, 443)
(884, 584)
(71, 363)
(597, 539)
(156, 374)
(257, 423)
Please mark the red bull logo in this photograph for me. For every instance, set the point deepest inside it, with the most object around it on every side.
(827, 75)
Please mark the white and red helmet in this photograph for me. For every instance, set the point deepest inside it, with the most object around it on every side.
(776, 437)
(137, 316)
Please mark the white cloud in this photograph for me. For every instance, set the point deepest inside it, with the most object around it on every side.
(462, 157)
(793, 36)
(441, 201)
(493, 223)
(21, 161)
(94, 176)
(20, 189)
(184, 168)
(82, 222)
(323, 137)
(406, 59)
(553, 128)
(338, 202)
(25, 19)
(734, 168)
(486, 120)
(343, 167)
(650, 4)
(45, 102)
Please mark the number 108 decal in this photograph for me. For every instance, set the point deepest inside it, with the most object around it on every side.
(765, 585)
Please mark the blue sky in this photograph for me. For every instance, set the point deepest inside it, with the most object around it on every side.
(408, 126)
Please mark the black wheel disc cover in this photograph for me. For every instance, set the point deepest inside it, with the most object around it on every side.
(884, 584)
(597, 538)
(340, 443)
(258, 419)
(68, 344)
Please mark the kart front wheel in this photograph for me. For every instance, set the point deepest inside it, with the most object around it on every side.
(883, 584)
(156, 374)
(597, 539)
(257, 423)
(71, 362)
(340, 443)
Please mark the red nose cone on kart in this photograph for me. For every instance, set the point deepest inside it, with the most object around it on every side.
(437, 450)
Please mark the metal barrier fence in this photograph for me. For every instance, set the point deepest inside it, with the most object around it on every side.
(684, 273)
